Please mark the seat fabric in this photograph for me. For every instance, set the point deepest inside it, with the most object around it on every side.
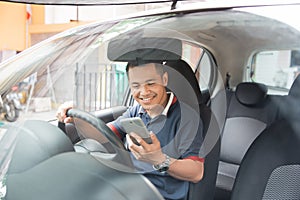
(250, 110)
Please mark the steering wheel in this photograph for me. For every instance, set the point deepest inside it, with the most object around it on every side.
(91, 127)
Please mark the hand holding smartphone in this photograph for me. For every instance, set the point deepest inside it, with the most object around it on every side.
(136, 125)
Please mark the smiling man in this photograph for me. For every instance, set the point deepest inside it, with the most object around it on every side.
(172, 160)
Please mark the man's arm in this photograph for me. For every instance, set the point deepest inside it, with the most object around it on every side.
(184, 169)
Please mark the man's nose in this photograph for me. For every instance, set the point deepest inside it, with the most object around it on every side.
(144, 89)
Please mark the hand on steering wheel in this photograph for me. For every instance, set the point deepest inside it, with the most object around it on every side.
(91, 127)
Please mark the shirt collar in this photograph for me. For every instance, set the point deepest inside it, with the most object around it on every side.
(171, 97)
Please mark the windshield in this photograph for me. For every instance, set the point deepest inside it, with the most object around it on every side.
(89, 2)
(75, 55)
(86, 67)
(63, 50)
(7, 145)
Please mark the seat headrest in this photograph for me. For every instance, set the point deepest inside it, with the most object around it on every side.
(251, 94)
(186, 72)
(295, 88)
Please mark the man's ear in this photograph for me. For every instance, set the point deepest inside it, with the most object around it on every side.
(165, 79)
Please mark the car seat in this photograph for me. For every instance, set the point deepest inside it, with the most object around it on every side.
(250, 110)
(36, 141)
(271, 167)
(183, 83)
(43, 165)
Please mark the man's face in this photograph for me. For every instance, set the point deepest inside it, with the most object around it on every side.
(148, 86)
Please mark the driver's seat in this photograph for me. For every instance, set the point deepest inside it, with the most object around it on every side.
(182, 81)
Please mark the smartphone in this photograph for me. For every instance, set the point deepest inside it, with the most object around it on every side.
(136, 125)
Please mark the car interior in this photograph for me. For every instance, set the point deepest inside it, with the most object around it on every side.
(249, 103)
(91, 129)
(251, 135)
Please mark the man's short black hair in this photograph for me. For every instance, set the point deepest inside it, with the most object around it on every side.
(158, 66)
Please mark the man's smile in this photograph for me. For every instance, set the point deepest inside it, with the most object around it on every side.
(146, 99)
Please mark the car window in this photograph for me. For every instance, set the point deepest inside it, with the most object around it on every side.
(276, 69)
(205, 69)
(200, 62)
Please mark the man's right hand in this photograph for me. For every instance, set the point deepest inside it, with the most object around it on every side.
(61, 113)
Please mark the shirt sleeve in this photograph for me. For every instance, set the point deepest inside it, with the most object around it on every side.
(116, 127)
(191, 136)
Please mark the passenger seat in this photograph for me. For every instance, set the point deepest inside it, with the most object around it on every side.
(271, 167)
(250, 110)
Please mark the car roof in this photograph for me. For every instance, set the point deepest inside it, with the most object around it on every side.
(203, 3)
(88, 2)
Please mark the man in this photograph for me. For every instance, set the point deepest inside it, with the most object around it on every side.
(172, 160)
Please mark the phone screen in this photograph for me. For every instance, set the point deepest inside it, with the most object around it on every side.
(137, 126)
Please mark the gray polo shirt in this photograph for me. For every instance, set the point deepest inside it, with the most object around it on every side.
(179, 130)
